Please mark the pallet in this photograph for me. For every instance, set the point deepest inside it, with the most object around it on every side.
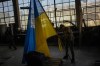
(53, 62)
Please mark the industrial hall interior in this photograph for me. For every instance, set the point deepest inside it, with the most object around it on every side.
(49, 32)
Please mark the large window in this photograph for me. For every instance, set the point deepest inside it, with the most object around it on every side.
(91, 12)
(65, 11)
(6, 12)
(24, 13)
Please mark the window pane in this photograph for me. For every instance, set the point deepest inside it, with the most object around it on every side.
(65, 5)
(1, 15)
(7, 20)
(58, 1)
(12, 19)
(51, 2)
(25, 1)
(91, 10)
(72, 4)
(22, 18)
(45, 8)
(26, 12)
(44, 2)
(66, 13)
(67, 18)
(97, 2)
(65, 0)
(72, 0)
(2, 20)
(72, 12)
(52, 14)
(59, 6)
(5, 3)
(0, 4)
(97, 9)
(10, 3)
(11, 13)
(10, 8)
(5, 9)
(1, 9)
(26, 4)
(6, 14)
(90, 2)
(26, 17)
(58, 13)
(22, 12)
(20, 1)
(21, 5)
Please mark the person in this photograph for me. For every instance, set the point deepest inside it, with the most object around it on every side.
(68, 41)
(10, 37)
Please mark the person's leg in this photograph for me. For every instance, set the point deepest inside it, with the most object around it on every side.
(13, 44)
(71, 46)
(66, 50)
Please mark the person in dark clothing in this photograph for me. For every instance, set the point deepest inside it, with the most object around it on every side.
(10, 37)
(68, 41)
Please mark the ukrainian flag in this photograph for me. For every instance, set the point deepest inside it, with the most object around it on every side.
(30, 40)
(39, 28)
(44, 28)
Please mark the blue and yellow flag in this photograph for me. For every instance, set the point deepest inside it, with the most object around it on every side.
(30, 40)
(44, 28)
(39, 28)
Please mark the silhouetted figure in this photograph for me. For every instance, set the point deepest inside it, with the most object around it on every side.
(10, 37)
(68, 41)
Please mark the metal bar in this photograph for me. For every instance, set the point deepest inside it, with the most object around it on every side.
(3, 13)
(24, 7)
(79, 19)
(55, 9)
(4, 0)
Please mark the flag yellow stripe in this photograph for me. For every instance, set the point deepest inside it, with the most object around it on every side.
(44, 30)
(48, 28)
(41, 44)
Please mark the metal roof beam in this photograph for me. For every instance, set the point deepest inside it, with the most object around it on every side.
(4, 0)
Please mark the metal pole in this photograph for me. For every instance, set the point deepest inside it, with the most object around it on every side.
(16, 17)
(3, 13)
(95, 12)
(62, 12)
(55, 9)
(86, 13)
(70, 12)
(16, 14)
(79, 19)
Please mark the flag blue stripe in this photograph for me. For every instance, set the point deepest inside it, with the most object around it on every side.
(30, 42)
(36, 13)
(38, 8)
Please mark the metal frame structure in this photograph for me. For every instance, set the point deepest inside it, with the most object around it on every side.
(65, 10)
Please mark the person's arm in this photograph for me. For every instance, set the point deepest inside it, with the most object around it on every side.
(71, 33)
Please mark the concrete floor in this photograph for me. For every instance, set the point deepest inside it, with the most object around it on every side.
(86, 56)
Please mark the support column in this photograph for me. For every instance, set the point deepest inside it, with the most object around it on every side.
(79, 18)
(16, 14)
(55, 9)
(16, 17)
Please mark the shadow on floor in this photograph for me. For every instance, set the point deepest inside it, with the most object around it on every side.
(86, 56)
